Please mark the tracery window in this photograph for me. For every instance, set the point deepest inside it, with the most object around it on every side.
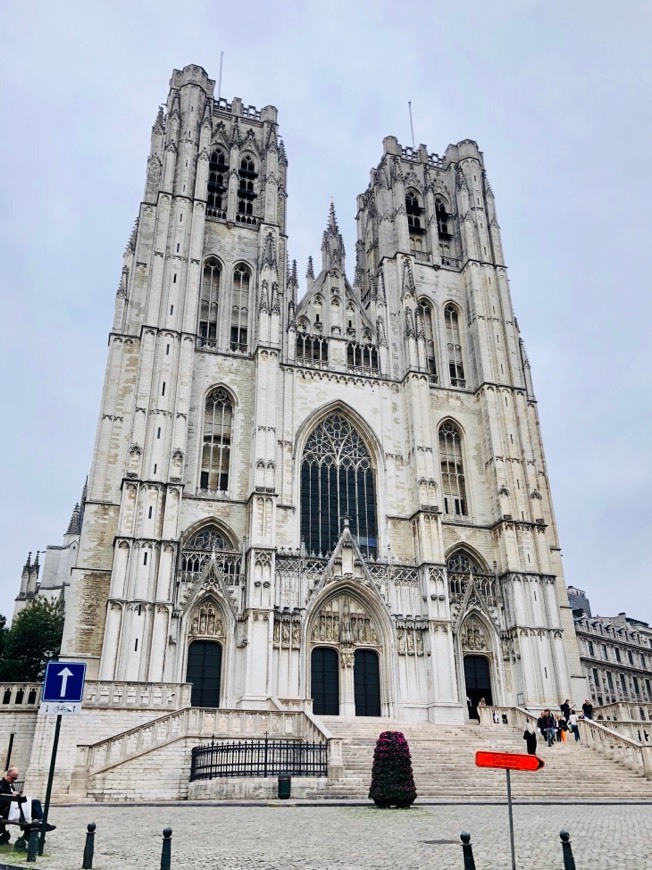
(312, 348)
(361, 356)
(424, 311)
(454, 346)
(240, 307)
(197, 551)
(246, 191)
(337, 481)
(452, 470)
(413, 210)
(209, 301)
(442, 217)
(216, 446)
(461, 568)
(217, 169)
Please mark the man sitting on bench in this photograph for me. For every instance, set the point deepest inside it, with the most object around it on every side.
(7, 788)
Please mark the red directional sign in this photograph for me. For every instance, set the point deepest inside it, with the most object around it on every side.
(508, 760)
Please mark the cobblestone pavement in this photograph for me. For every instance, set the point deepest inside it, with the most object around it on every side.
(349, 837)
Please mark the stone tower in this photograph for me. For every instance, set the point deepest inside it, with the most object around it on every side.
(338, 502)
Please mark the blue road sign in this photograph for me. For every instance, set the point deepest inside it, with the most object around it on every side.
(64, 681)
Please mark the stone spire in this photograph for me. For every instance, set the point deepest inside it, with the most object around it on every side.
(332, 246)
(74, 526)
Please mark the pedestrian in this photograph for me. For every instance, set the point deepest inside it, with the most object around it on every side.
(587, 709)
(482, 703)
(548, 726)
(565, 709)
(562, 727)
(7, 788)
(530, 737)
(574, 725)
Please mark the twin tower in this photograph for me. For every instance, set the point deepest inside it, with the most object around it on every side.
(333, 500)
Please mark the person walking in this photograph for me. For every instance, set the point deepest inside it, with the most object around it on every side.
(530, 737)
(565, 709)
(574, 725)
(548, 726)
(587, 709)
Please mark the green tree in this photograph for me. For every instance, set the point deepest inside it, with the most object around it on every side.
(33, 639)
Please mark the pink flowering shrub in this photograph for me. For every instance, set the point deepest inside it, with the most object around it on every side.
(392, 782)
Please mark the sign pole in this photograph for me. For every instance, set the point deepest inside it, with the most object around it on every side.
(511, 816)
(48, 793)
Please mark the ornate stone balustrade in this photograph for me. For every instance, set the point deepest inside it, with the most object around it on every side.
(19, 696)
(624, 711)
(136, 696)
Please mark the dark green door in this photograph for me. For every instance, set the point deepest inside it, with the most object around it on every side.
(366, 679)
(478, 682)
(325, 681)
(204, 671)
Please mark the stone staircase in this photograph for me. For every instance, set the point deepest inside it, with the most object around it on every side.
(443, 760)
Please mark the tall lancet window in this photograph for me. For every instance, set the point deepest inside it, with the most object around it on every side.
(427, 319)
(337, 481)
(216, 446)
(240, 307)
(209, 302)
(217, 170)
(246, 191)
(455, 364)
(452, 469)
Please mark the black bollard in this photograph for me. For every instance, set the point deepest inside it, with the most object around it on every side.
(166, 852)
(569, 861)
(89, 848)
(32, 842)
(467, 851)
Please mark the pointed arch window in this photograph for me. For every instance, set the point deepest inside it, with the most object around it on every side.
(426, 315)
(443, 219)
(217, 171)
(209, 302)
(216, 444)
(454, 346)
(246, 190)
(462, 568)
(206, 544)
(452, 469)
(337, 482)
(240, 307)
(414, 210)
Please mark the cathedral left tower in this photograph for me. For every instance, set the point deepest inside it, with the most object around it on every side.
(190, 342)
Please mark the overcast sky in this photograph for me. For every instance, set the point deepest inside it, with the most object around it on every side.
(556, 93)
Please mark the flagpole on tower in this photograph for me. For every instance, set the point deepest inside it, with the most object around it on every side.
(219, 80)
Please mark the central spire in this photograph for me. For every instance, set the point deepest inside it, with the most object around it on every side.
(332, 246)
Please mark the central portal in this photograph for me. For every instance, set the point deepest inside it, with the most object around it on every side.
(478, 683)
(366, 678)
(204, 672)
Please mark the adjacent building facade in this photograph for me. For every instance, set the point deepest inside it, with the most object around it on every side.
(332, 498)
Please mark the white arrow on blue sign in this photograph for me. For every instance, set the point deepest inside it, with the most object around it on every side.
(64, 682)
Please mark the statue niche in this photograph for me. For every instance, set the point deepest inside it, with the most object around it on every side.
(206, 620)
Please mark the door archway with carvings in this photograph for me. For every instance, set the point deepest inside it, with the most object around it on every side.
(348, 625)
(206, 638)
(478, 662)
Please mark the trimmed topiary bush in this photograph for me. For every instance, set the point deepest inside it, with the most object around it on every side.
(392, 782)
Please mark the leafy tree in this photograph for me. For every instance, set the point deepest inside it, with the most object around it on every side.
(392, 781)
(33, 639)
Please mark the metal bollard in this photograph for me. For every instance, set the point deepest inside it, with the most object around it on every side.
(467, 851)
(569, 861)
(32, 842)
(166, 852)
(87, 863)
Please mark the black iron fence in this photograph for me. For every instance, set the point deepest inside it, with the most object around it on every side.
(258, 758)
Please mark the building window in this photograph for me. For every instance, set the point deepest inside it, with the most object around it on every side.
(642, 660)
(312, 348)
(623, 685)
(630, 657)
(414, 211)
(208, 544)
(590, 646)
(361, 356)
(337, 482)
(425, 314)
(443, 220)
(596, 678)
(605, 654)
(452, 469)
(648, 688)
(637, 690)
(610, 683)
(455, 364)
(209, 302)
(617, 651)
(246, 191)
(216, 447)
(240, 307)
(217, 170)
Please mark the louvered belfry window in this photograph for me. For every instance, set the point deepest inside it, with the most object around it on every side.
(337, 482)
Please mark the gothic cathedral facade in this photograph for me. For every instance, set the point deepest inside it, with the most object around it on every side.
(338, 502)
